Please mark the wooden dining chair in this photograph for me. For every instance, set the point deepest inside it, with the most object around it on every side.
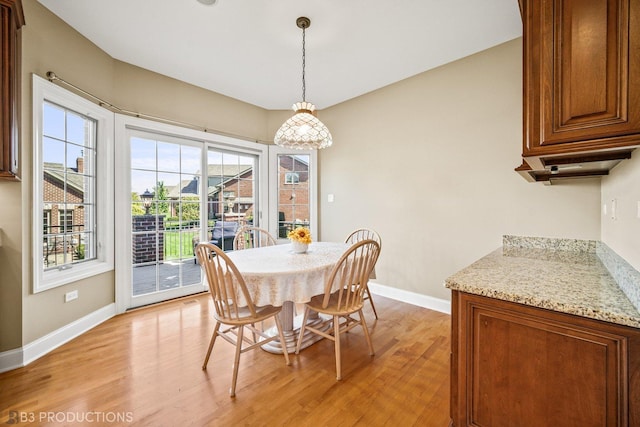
(343, 297)
(252, 237)
(227, 286)
(364, 234)
(249, 237)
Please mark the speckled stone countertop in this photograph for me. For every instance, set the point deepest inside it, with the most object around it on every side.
(557, 274)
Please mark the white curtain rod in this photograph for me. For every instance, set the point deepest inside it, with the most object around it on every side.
(52, 77)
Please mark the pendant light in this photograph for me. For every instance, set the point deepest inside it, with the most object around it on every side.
(303, 130)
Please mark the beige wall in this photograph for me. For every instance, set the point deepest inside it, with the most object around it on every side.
(428, 162)
(622, 234)
(10, 266)
(139, 90)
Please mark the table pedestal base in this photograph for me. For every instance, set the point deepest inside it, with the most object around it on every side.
(291, 329)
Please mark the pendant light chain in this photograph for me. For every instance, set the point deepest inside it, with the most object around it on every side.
(304, 84)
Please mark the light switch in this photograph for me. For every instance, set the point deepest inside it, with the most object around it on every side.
(330, 198)
(638, 209)
(614, 205)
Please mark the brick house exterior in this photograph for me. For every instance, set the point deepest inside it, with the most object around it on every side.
(293, 198)
(233, 196)
(64, 209)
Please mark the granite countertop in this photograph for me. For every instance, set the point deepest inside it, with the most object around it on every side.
(565, 278)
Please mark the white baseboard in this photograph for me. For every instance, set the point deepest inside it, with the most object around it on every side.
(11, 359)
(413, 298)
(20, 357)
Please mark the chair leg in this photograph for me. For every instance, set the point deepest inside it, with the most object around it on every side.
(363, 323)
(366, 289)
(336, 336)
(283, 343)
(255, 336)
(302, 328)
(213, 340)
(236, 361)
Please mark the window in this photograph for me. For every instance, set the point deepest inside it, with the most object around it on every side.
(291, 178)
(73, 146)
(46, 222)
(65, 219)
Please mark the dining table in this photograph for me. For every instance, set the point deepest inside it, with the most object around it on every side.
(276, 275)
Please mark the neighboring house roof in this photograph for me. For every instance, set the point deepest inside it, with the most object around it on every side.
(185, 188)
(294, 162)
(218, 176)
(56, 171)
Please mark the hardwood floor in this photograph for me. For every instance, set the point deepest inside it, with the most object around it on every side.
(144, 368)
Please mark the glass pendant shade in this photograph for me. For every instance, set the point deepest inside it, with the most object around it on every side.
(303, 131)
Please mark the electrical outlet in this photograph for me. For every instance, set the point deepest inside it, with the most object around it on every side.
(70, 296)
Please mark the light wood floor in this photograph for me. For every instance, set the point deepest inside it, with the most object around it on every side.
(146, 366)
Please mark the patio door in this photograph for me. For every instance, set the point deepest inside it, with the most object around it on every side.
(174, 186)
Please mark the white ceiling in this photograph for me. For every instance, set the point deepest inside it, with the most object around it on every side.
(251, 50)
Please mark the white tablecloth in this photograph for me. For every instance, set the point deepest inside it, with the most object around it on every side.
(274, 274)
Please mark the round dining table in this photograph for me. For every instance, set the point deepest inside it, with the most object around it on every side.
(277, 276)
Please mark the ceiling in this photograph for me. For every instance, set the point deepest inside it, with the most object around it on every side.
(251, 50)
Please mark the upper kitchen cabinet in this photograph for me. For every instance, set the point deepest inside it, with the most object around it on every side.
(11, 19)
(581, 106)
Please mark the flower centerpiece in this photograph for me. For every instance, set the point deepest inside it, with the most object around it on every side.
(300, 239)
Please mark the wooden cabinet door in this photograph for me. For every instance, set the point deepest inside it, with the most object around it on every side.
(579, 56)
(514, 365)
(11, 19)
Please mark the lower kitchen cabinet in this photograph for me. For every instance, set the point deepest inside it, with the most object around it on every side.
(516, 365)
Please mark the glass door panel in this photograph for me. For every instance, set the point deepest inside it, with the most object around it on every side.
(293, 192)
(292, 178)
(231, 194)
(165, 217)
(292, 175)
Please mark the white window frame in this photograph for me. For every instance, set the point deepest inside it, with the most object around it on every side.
(44, 90)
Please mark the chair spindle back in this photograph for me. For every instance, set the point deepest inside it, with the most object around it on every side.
(252, 237)
(225, 283)
(348, 279)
